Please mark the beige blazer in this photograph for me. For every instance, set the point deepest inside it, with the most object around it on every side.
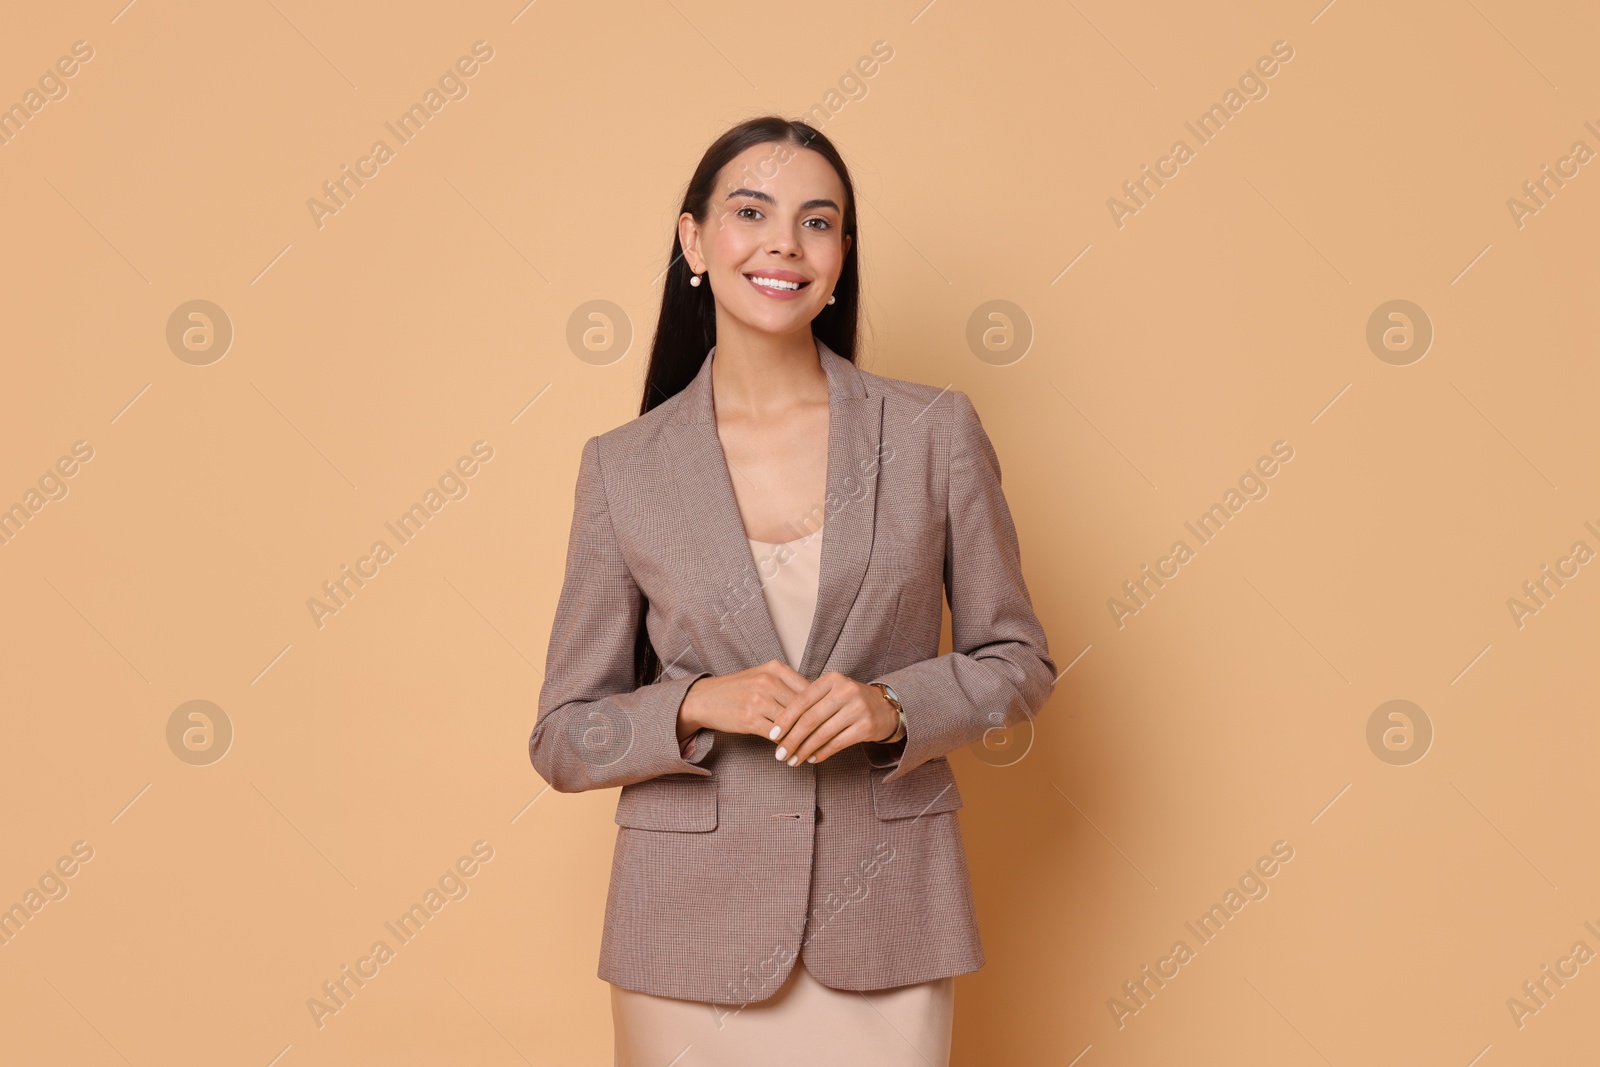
(729, 864)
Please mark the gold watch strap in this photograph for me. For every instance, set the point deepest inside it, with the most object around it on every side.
(894, 702)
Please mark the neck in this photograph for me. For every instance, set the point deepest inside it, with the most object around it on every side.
(754, 374)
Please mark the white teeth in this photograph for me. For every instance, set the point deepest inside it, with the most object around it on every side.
(774, 283)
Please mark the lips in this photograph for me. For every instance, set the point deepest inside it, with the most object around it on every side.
(793, 285)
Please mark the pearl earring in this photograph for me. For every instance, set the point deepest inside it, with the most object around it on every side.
(831, 299)
(694, 279)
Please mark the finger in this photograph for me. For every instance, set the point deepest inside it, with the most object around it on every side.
(786, 674)
(815, 727)
(827, 737)
(799, 704)
(781, 683)
(856, 734)
(778, 699)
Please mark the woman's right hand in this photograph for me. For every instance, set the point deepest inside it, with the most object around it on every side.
(745, 702)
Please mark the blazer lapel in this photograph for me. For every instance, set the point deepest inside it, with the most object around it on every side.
(706, 505)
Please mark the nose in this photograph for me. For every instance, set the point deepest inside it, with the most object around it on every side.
(783, 244)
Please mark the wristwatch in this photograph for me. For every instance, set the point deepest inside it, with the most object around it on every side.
(894, 702)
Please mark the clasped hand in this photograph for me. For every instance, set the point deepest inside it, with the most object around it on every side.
(806, 720)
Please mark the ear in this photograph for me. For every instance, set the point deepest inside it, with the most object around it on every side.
(689, 238)
(846, 250)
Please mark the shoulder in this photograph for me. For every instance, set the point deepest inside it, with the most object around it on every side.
(635, 440)
(898, 391)
(945, 404)
(941, 412)
(941, 416)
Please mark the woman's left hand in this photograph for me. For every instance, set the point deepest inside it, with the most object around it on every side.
(828, 716)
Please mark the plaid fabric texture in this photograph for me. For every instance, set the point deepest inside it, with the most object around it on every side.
(730, 865)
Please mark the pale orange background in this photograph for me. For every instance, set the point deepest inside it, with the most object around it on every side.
(431, 313)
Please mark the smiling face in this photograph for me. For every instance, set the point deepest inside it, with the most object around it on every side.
(772, 246)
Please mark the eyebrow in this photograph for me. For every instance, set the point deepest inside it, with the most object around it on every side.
(756, 194)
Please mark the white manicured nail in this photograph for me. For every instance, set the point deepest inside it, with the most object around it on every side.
(794, 760)
(782, 752)
(773, 736)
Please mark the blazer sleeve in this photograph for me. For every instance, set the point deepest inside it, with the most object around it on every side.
(594, 729)
(999, 670)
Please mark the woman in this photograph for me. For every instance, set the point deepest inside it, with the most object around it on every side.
(747, 643)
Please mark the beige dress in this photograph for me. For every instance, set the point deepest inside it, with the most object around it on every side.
(804, 1022)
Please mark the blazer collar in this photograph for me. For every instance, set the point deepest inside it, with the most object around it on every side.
(844, 380)
(729, 582)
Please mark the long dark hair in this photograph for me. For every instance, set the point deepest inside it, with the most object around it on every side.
(687, 327)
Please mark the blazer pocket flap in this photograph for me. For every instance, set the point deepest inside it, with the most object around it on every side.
(685, 804)
(928, 789)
